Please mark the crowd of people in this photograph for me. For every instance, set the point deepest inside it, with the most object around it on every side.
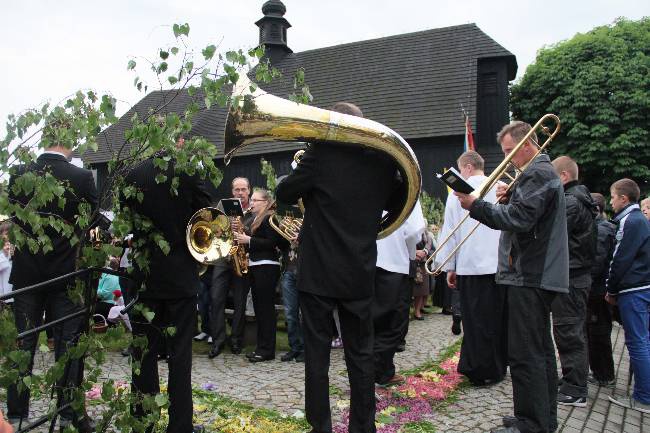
(544, 270)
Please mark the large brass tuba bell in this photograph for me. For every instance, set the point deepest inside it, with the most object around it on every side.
(260, 117)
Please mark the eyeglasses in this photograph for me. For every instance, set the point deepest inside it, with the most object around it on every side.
(259, 199)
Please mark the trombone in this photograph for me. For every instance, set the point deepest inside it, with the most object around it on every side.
(498, 173)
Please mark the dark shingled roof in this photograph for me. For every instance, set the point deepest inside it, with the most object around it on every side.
(413, 83)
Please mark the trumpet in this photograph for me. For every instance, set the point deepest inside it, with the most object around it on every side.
(500, 172)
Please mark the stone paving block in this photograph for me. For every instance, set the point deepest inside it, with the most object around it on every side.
(279, 385)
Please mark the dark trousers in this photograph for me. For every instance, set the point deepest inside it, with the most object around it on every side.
(390, 314)
(531, 357)
(484, 351)
(204, 307)
(264, 279)
(223, 281)
(357, 330)
(28, 312)
(599, 337)
(569, 313)
(292, 310)
(180, 314)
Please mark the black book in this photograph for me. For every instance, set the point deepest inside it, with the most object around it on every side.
(231, 207)
(455, 181)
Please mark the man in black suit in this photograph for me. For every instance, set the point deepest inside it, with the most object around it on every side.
(344, 190)
(170, 285)
(29, 268)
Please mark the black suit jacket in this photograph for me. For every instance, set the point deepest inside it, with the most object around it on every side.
(344, 190)
(265, 243)
(174, 275)
(31, 268)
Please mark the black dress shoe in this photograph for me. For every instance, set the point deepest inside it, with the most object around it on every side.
(289, 356)
(251, 355)
(235, 348)
(455, 326)
(506, 430)
(84, 425)
(509, 421)
(215, 351)
(400, 347)
(260, 358)
(300, 357)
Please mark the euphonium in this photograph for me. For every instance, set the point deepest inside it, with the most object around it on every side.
(208, 236)
(287, 225)
(256, 116)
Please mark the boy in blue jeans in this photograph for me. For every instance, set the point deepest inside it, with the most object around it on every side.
(628, 286)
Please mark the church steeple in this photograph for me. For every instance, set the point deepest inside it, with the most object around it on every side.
(273, 30)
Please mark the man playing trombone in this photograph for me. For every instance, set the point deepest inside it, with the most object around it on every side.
(534, 265)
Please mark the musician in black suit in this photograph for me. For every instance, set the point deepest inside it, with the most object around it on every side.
(264, 245)
(29, 268)
(170, 286)
(344, 190)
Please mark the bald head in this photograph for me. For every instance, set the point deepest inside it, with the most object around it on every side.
(566, 168)
(347, 108)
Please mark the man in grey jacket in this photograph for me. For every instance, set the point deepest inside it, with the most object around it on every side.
(534, 265)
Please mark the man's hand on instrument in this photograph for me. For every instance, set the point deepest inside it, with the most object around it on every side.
(420, 255)
(502, 193)
(466, 200)
(242, 238)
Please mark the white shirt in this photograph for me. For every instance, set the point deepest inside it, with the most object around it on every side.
(5, 271)
(395, 250)
(479, 254)
(124, 260)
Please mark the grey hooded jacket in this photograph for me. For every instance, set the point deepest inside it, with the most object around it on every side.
(533, 249)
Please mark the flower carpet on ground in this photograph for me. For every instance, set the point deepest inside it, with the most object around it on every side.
(408, 408)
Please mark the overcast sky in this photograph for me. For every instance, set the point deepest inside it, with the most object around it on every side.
(50, 49)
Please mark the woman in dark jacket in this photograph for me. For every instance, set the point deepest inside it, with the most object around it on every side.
(264, 245)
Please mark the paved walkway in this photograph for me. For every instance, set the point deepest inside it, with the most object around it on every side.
(279, 385)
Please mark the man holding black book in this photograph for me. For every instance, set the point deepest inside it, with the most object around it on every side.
(471, 271)
(534, 265)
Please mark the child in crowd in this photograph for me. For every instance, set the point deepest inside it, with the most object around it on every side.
(628, 286)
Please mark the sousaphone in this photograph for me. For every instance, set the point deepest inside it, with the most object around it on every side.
(256, 116)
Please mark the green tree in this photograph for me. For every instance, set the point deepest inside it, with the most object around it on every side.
(598, 83)
(205, 76)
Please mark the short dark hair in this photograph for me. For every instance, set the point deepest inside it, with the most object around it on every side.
(517, 130)
(599, 199)
(347, 108)
(628, 188)
(473, 158)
